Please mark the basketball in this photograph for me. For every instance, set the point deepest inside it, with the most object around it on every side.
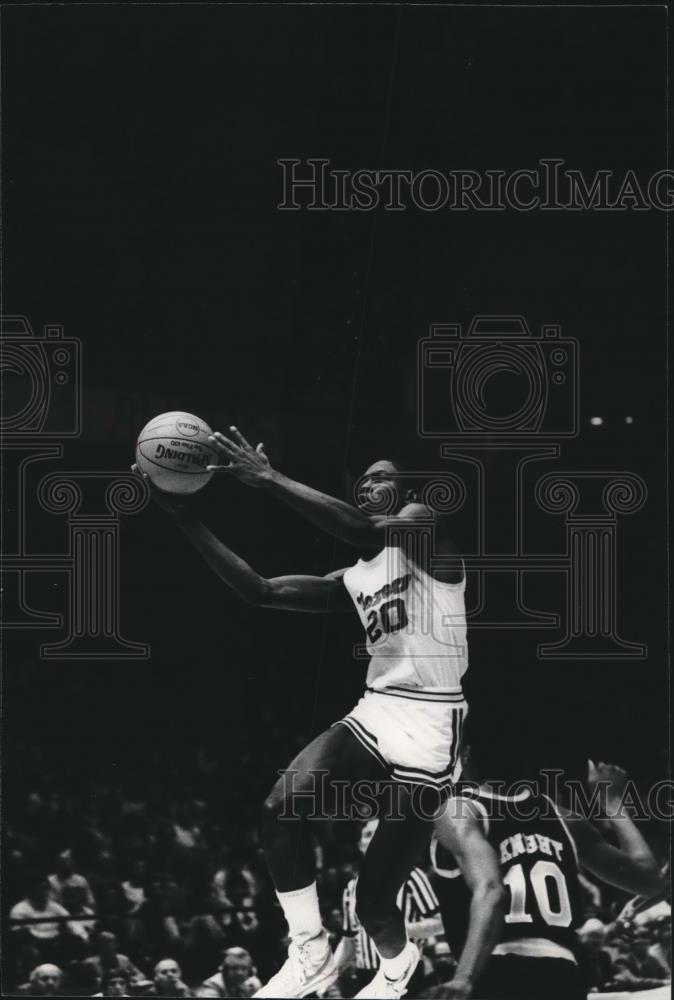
(174, 450)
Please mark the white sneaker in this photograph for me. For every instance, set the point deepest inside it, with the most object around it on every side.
(383, 988)
(310, 966)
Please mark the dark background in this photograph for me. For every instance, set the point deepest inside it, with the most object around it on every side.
(140, 188)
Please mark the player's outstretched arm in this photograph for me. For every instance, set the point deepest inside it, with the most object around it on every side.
(292, 593)
(459, 829)
(340, 519)
(630, 865)
(337, 517)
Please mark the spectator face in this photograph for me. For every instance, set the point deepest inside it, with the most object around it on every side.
(115, 986)
(39, 895)
(366, 835)
(45, 981)
(236, 968)
(166, 974)
(64, 865)
(107, 945)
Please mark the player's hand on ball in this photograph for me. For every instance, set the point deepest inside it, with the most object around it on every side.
(238, 456)
(167, 501)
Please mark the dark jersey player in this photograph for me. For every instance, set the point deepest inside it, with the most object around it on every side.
(540, 849)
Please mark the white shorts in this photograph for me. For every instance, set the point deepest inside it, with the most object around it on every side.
(415, 733)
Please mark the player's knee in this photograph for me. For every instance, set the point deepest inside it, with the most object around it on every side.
(273, 807)
(282, 803)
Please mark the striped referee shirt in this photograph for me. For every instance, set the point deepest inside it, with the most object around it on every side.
(416, 900)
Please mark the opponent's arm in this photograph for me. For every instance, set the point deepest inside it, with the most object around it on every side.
(631, 865)
(460, 830)
(292, 593)
(419, 930)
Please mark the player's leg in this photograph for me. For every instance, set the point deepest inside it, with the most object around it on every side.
(304, 791)
(395, 849)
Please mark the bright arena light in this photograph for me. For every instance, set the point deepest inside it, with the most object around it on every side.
(596, 421)
(629, 420)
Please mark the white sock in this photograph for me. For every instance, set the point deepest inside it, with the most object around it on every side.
(393, 968)
(302, 912)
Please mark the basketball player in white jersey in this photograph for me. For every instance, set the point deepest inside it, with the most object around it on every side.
(407, 727)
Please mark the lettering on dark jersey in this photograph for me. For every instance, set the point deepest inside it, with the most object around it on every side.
(397, 586)
(529, 843)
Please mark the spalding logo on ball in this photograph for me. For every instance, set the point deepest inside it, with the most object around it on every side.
(174, 450)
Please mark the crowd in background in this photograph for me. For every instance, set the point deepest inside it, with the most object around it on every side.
(135, 891)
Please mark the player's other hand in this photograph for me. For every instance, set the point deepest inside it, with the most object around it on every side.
(167, 501)
(238, 456)
(610, 779)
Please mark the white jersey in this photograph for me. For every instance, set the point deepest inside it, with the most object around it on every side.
(415, 625)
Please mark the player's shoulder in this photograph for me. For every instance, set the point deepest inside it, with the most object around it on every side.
(415, 511)
(336, 574)
(425, 518)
